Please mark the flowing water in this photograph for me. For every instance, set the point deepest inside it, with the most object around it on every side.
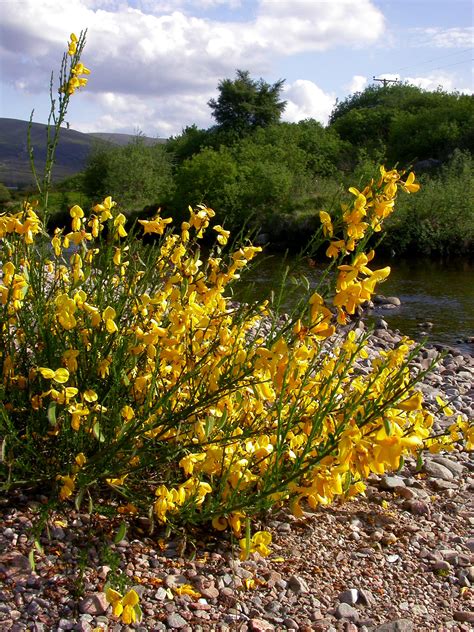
(439, 292)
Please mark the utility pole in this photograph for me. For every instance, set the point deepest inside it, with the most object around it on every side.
(386, 81)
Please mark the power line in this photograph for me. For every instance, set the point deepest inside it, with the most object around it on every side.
(455, 64)
(429, 61)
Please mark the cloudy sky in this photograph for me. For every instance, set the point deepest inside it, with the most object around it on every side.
(156, 63)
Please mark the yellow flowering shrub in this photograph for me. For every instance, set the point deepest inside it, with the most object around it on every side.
(129, 374)
(127, 368)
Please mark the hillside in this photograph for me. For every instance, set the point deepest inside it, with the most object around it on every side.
(124, 139)
(71, 154)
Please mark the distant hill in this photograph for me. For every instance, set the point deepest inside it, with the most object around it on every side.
(71, 154)
(124, 139)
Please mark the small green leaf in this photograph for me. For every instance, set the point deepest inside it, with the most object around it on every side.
(347, 482)
(121, 533)
(79, 498)
(38, 547)
(138, 612)
(184, 287)
(31, 559)
(52, 413)
(419, 461)
(98, 434)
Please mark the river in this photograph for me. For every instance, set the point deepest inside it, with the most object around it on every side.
(435, 291)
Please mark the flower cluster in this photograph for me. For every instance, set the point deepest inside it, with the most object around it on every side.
(75, 80)
(371, 206)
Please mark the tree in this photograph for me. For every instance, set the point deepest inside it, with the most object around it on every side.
(5, 195)
(406, 123)
(245, 104)
(135, 174)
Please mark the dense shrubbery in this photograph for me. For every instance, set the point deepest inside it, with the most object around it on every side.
(137, 173)
(440, 220)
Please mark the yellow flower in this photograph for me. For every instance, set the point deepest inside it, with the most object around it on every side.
(187, 589)
(259, 544)
(77, 412)
(60, 375)
(105, 209)
(68, 486)
(444, 407)
(69, 358)
(327, 224)
(127, 413)
(222, 235)
(155, 226)
(80, 459)
(119, 223)
(90, 396)
(80, 69)
(412, 403)
(335, 248)
(77, 214)
(410, 185)
(108, 316)
(72, 46)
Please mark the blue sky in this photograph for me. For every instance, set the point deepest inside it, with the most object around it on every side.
(156, 63)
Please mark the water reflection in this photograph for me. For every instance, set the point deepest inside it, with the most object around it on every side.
(435, 291)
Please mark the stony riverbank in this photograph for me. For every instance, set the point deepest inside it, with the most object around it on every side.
(400, 559)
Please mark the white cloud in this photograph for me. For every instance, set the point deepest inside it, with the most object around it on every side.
(445, 81)
(357, 84)
(306, 100)
(443, 38)
(161, 55)
(294, 26)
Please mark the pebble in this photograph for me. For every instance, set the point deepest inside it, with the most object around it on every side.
(391, 483)
(259, 625)
(464, 616)
(345, 611)
(297, 584)
(175, 621)
(399, 625)
(95, 604)
(349, 596)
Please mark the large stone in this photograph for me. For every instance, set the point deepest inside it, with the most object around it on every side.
(391, 482)
(455, 468)
(349, 596)
(95, 604)
(464, 616)
(345, 611)
(399, 625)
(297, 584)
(436, 470)
(175, 621)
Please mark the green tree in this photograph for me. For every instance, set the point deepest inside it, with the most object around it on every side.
(244, 104)
(5, 195)
(209, 177)
(191, 140)
(406, 123)
(136, 174)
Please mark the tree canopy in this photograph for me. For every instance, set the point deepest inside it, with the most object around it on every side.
(244, 104)
(406, 123)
